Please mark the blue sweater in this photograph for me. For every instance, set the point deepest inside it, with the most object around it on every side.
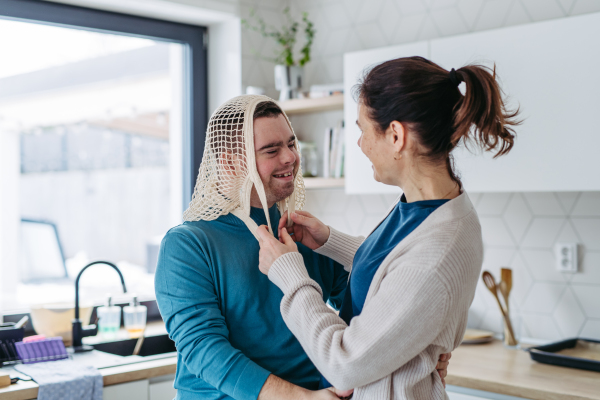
(400, 222)
(223, 313)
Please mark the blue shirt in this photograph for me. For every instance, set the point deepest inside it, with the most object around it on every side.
(223, 313)
(401, 221)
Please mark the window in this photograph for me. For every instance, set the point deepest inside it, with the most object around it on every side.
(98, 116)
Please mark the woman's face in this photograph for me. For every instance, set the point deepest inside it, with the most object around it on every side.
(378, 148)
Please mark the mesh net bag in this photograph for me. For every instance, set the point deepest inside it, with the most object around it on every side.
(228, 170)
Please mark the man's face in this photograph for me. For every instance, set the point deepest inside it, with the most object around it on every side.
(277, 159)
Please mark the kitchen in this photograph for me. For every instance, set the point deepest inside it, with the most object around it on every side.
(522, 218)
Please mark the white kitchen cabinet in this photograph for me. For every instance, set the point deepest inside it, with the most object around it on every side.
(136, 390)
(161, 388)
(548, 68)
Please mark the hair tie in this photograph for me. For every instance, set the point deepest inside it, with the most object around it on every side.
(456, 80)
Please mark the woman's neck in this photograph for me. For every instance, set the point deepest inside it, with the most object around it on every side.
(432, 184)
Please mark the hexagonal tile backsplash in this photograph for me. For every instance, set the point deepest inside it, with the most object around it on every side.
(519, 229)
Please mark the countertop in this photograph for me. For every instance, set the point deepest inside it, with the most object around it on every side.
(114, 369)
(489, 367)
(493, 368)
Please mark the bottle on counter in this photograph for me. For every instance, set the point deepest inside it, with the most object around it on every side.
(109, 318)
(135, 318)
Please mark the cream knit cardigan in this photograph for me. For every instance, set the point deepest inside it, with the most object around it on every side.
(415, 310)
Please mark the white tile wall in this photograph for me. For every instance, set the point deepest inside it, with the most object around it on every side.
(519, 229)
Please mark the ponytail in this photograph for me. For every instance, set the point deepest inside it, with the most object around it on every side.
(481, 115)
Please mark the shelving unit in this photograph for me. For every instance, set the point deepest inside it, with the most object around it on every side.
(303, 106)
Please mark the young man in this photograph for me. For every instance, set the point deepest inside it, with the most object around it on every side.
(222, 313)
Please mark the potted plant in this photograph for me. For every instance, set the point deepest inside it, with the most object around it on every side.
(289, 71)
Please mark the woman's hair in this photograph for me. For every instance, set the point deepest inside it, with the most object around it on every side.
(425, 98)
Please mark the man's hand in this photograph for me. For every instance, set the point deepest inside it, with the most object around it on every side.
(306, 229)
(442, 366)
(276, 388)
(271, 249)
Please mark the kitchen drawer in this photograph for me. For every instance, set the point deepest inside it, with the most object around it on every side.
(137, 390)
(462, 393)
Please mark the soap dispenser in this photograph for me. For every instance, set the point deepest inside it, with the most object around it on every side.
(135, 318)
(109, 318)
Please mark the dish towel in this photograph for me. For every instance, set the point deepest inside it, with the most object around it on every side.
(64, 380)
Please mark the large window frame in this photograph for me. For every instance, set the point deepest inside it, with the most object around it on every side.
(195, 101)
(194, 39)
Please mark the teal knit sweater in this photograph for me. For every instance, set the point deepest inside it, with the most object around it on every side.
(223, 313)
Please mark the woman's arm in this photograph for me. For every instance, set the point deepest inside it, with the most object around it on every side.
(341, 247)
(323, 239)
(403, 317)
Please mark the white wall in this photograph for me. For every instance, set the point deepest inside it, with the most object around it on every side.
(519, 229)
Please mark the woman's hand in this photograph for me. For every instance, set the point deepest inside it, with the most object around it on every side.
(306, 229)
(442, 366)
(342, 394)
(271, 249)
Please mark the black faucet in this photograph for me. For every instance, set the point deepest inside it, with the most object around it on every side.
(79, 332)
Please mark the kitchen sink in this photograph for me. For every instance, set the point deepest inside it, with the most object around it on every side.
(152, 345)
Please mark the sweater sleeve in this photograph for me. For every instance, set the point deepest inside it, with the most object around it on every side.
(189, 305)
(341, 247)
(400, 320)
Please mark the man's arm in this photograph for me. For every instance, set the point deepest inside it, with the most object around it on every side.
(189, 305)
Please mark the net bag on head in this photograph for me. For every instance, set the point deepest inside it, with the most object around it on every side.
(228, 170)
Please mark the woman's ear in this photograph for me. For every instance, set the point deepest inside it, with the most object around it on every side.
(397, 136)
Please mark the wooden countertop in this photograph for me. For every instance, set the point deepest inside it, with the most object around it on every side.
(112, 376)
(127, 372)
(489, 367)
(494, 368)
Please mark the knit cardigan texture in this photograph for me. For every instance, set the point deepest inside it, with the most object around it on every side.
(416, 307)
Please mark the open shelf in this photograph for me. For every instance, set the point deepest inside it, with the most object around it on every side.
(323, 183)
(302, 106)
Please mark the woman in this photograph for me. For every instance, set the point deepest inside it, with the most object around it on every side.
(414, 277)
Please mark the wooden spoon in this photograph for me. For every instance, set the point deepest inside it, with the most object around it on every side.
(505, 285)
(505, 288)
(490, 283)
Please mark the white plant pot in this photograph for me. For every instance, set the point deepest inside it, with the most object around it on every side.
(288, 80)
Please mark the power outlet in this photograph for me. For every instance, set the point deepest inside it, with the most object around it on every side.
(566, 257)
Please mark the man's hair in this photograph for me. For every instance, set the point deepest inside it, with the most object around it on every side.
(267, 109)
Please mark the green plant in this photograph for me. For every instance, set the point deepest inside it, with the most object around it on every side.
(285, 37)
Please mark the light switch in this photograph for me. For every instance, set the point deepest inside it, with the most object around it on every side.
(566, 257)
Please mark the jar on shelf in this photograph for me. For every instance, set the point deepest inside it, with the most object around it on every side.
(309, 158)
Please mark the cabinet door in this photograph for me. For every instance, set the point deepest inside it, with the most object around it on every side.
(162, 391)
(549, 69)
(137, 390)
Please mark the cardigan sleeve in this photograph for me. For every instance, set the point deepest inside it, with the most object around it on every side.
(341, 247)
(402, 318)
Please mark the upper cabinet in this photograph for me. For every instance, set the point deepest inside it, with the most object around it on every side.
(548, 69)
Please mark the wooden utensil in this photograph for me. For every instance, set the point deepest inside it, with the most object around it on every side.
(505, 288)
(490, 283)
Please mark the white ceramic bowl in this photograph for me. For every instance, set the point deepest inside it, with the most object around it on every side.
(56, 319)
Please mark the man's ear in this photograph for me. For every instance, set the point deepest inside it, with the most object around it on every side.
(227, 162)
(397, 136)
